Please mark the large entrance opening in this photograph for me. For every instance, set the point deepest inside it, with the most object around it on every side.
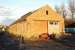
(41, 26)
(44, 28)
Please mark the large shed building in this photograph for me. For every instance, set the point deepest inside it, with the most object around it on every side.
(35, 23)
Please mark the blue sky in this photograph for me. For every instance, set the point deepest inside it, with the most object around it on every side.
(19, 7)
(30, 3)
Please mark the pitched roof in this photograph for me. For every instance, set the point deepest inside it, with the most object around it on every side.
(23, 18)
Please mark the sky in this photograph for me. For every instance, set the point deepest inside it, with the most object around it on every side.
(11, 10)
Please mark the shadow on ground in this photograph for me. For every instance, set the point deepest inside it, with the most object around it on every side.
(9, 43)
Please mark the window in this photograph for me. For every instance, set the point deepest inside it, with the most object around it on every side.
(46, 12)
(53, 22)
(24, 19)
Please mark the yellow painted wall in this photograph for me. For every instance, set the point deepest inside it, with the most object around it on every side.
(36, 24)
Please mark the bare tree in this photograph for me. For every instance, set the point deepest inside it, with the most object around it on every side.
(72, 8)
(57, 9)
(65, 12)
(62, 10)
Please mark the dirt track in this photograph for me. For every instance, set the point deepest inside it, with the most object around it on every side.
(10, 44)
(46, 45)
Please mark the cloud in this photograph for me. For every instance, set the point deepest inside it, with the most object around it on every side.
(5, 11)
(5, 15)
(8, 15)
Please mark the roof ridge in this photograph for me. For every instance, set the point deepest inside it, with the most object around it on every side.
(23, 17)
